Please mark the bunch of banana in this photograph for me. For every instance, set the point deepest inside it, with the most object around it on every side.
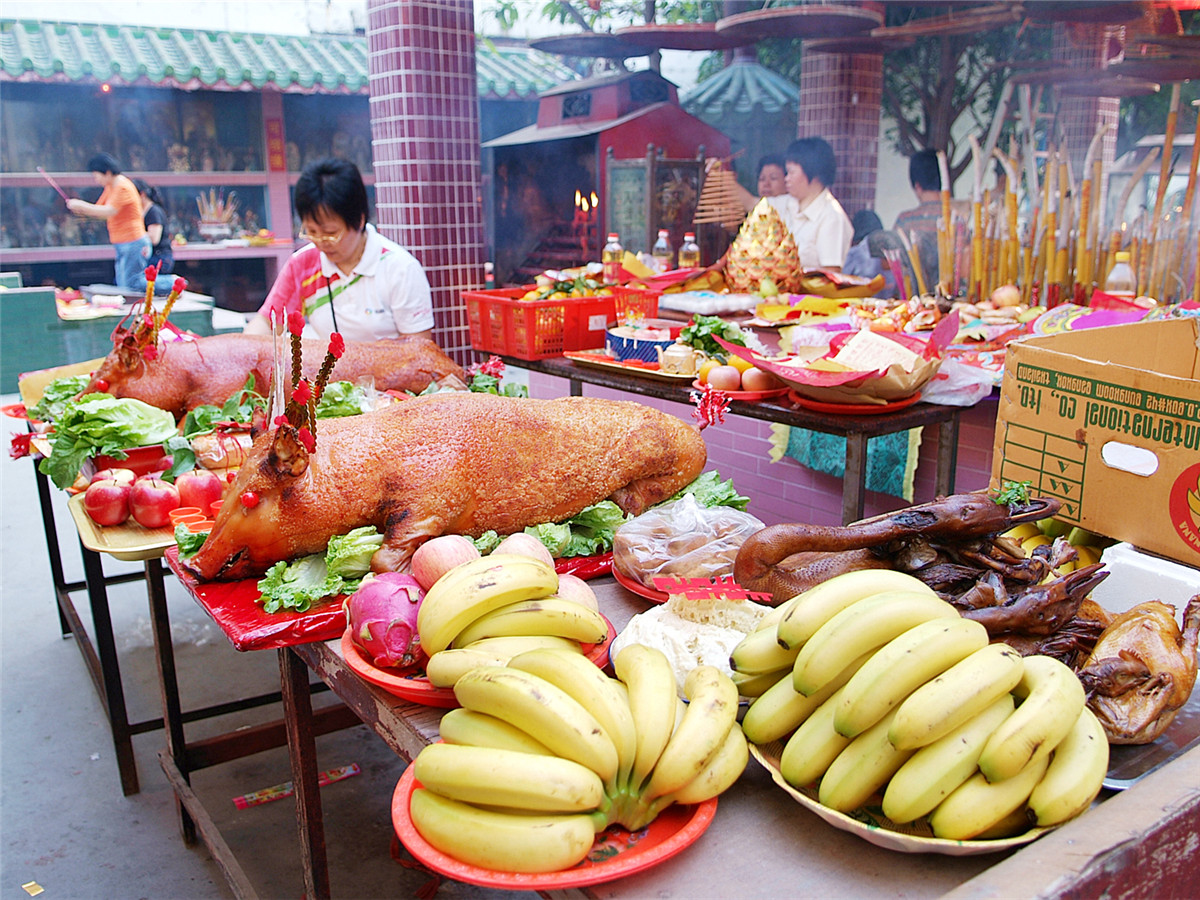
(484, 612)
(890, 691)
(548, 751)
(1030, 535)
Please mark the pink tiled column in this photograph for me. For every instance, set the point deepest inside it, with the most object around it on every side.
(840, 99)
(425, 138)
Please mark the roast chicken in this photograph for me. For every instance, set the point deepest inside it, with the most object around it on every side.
(1142, 670)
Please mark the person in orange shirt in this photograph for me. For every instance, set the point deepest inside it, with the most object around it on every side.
(121, 208)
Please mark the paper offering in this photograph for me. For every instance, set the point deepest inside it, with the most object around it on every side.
(871, 352)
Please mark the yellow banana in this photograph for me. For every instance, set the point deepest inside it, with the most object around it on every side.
(978, 804)
(781, 709)
(759, 652)
(650, 683)
(545, 712)
(600, 695)
(757, 685)
(771, 618)
(465, 726)
(1051, 698)
(816, 606)
(475, 588)
(445, 667)
(504, 842)
(511, 645)
(1193, 501)
(862, 768)
(721, 772)
(711, 712)
(542, 615)
(814, 746)
(1016, 822)
(1075, 774)
(961, 692)
(903, 665)
(860, 628)
(938, 768)
(485, 775)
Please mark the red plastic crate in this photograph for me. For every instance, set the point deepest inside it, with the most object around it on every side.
(502, 323)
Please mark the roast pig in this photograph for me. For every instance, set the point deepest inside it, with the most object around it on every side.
(187, 374)
(449, 463)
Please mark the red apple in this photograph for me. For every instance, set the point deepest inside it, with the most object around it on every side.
(163, 463)
(125, 476)
(200, 487)
(106, 501)
(151, 500)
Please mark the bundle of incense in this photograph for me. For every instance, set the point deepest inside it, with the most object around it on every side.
(279, 791)
(945, 248)
(1150, 276)
(177, 288)
(914, 259)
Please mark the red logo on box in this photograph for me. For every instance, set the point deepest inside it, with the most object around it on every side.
(1184, 506)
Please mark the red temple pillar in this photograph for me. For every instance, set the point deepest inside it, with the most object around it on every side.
(425, 140)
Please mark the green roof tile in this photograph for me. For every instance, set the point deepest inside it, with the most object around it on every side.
(32, 50)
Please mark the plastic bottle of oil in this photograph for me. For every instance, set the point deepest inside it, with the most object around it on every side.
(689, 252)
(611, 257)
(1121, 282)
(664, 255)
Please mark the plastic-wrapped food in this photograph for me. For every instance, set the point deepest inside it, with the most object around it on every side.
(681, 539)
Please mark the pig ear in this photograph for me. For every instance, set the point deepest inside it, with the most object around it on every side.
(128, 354)
(288, 456)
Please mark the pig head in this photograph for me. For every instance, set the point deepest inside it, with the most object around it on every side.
(450, 463)
(186, 374)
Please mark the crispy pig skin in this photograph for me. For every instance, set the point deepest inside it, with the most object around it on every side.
(449, 463)
(187, 374)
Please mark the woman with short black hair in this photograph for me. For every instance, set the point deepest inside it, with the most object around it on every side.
(121, 211)
(155, 218)
(348, 278)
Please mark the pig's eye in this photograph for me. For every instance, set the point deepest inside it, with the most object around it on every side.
(101, 385)
(249, 499)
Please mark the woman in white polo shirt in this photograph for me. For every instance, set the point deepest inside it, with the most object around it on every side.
(349, 278)
(820, 226)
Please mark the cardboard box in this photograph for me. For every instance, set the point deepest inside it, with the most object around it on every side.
(1108, 421)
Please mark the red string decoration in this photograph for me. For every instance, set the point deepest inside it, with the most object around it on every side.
(711, 406)
(19, 445)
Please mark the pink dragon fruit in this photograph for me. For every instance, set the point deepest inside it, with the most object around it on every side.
(382, 615)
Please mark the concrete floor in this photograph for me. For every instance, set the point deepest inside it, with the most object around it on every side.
(63, 821)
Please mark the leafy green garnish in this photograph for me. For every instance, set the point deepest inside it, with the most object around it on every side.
(296, 585)
(1013, 493)
(709, 491)
(700, 331)
(100, 424)
(341, 398)
(239, 407)
(487, 542)
(56, 396)
(586, 534)
(188, 542)
(483, 383)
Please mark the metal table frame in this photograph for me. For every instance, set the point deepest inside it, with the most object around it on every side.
(857, 430)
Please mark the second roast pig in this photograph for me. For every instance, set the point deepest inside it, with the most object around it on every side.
(449, 463)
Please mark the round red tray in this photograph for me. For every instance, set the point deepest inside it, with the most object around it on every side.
(413, 685)
(852, 409)
(748, 395)
(641, 590)
(616, 852)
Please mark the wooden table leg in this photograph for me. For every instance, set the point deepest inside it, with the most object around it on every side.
(110, 671)
(854, 483)
(302, 748)
(947, 460)
(168, 682)
(51, 532)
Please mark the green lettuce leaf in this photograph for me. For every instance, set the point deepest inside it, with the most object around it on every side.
(295, 585)
(699, 334)
(188, 542)
(487, 542)
(554, 537)
(709, 491)
(100, 424)
(56, 396)
(586, 534)
(341, 398)
(349, 555)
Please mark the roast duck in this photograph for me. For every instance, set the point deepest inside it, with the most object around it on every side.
(1142, 670)
(954, 545)
(453, 462)
(182, 375)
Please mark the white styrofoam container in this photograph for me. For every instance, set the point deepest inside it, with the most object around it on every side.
(1136, 577)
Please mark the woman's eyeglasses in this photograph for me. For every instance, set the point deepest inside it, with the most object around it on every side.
(323, 240)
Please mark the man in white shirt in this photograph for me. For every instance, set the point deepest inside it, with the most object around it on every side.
(819, 225)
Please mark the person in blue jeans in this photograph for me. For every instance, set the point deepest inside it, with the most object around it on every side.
(121, 209)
